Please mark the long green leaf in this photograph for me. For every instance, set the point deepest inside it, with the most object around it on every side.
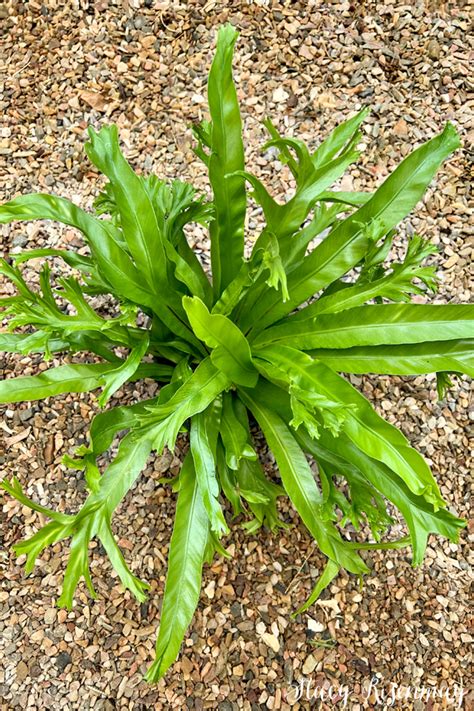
(399, 284)
(94, 517)
(338, 139)
(227, 156)
(284, 219)
(14, 488)
(126, 370)
(234, 431)
(351, 199)
(227, 480)
(183, 582)
(136, 586)
(411, 359)
(106, 425)
(76, 378)
(327, 576)
(27, 343)
(137, 216)
(300, 485)
(121, 474)
(372, 325)
(262, 499)
(77, 261)
(92, 520)
(141, 228)
(294, 251)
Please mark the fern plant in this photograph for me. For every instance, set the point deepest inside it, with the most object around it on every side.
(261, 344)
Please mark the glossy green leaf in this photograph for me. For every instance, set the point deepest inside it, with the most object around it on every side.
(92, 520)
(185, 562)
(301, 487)
(330, 571)
(113, 261)
(137, 217)
(263, 502)
(197, 393)
(273, 262)
(357, 500)
(227, 480)
(76, 378)
(142, 231)
(231, 352)
(15, 489)
(130, 582)
(344, 198)
(114, 379)
(397, 285)
(26, 343)
(77, 261)
(227, 157)
(284, 219)
(411, 359)
(338, 138)
(389, 324)
(175, 206)
(234, 431)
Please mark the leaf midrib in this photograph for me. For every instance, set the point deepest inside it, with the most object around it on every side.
(374, 326)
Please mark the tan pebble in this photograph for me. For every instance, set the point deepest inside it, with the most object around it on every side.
(280, 95)
(400, 128)
(410, 605)
(433, 49)
(451, 261)
(305, 51)
(186, 665)
(309, 664)
(210, 589)
(271, 641)
(37, 636)
(21, 671)
(50, 616)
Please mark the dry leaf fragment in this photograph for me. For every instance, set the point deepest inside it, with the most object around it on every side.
(94, 99)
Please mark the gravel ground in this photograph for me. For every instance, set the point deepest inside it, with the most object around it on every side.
(309, 65)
